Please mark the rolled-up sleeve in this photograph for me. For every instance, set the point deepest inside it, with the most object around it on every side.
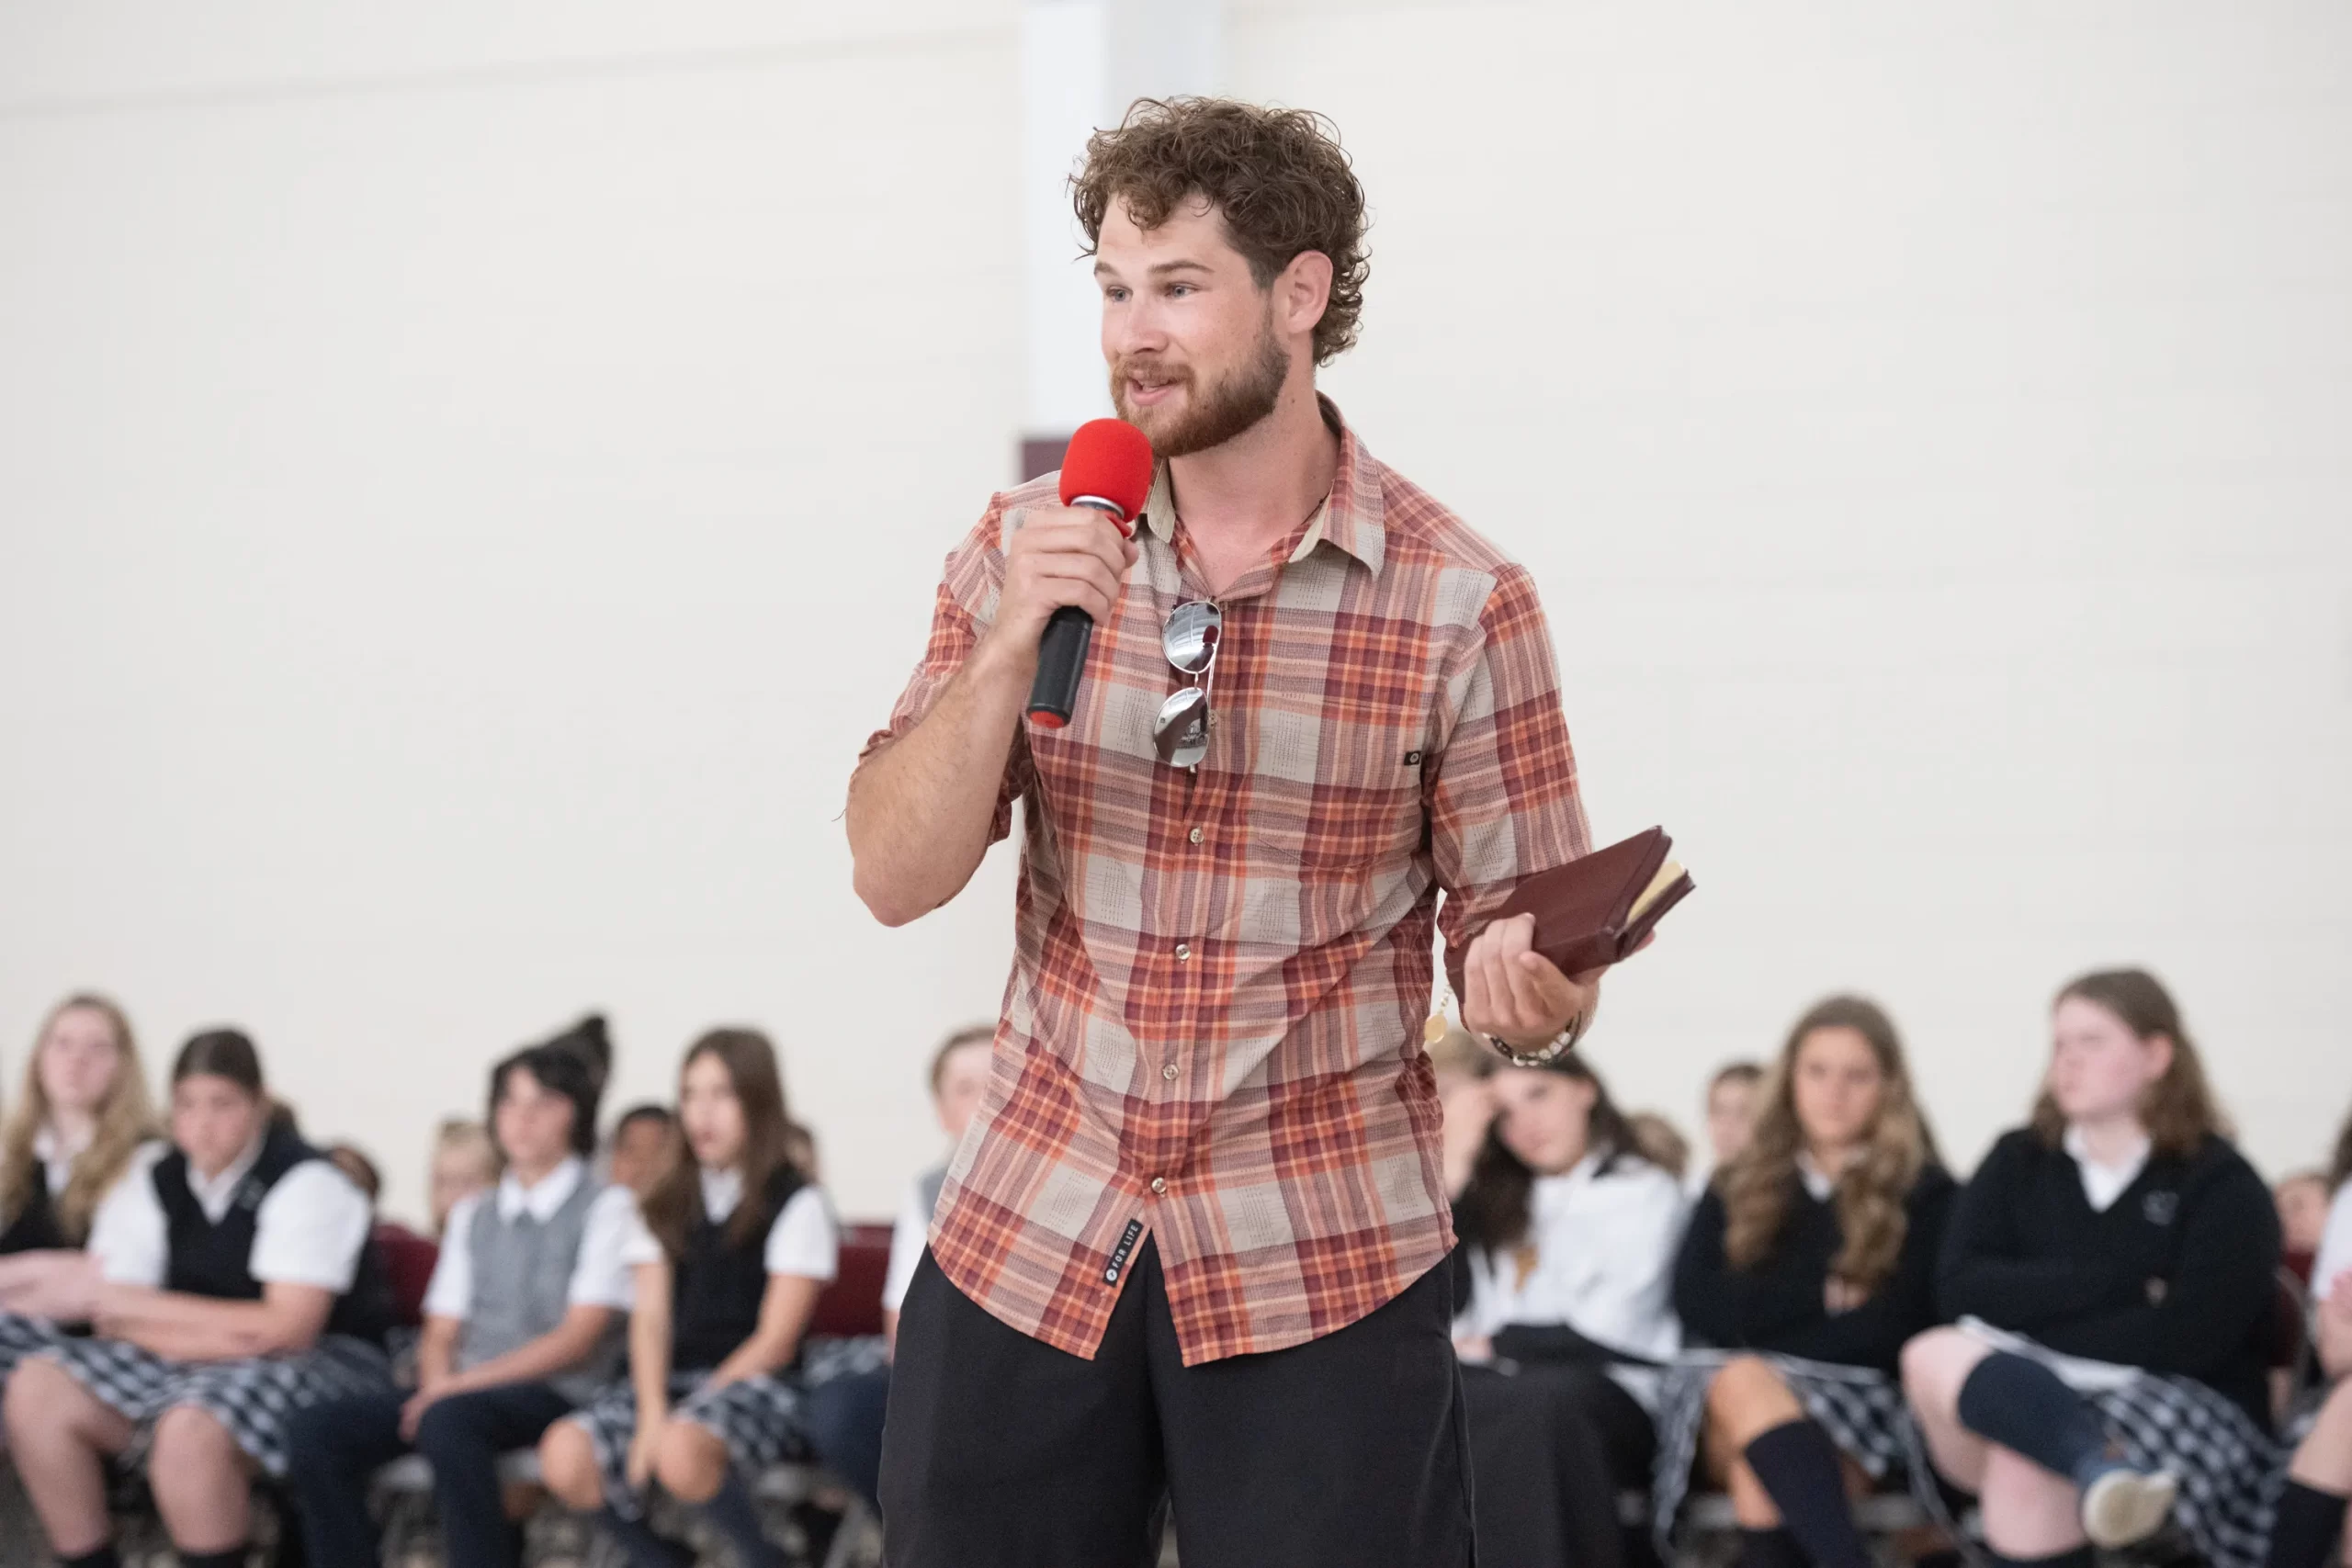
(962, 612)
(1501, 796)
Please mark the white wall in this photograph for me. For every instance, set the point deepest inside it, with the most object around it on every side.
(1928, 426)
(459, 514)
(469, 484)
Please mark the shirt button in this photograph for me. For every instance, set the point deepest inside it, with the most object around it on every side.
(1183, 950)
(1194, 835)
(1168, 1072)
(1159, 1184)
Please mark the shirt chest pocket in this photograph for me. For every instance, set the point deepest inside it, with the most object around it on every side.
(1332, 795)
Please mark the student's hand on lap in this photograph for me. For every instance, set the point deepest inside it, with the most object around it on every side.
(640, 1454)
(413, 1411)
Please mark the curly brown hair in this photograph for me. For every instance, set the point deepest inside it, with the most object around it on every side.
(1278, 177)
(1759, 1185)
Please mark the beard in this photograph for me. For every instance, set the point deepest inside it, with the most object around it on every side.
(1213, 415)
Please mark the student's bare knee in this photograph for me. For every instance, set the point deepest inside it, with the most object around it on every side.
(1935, 1364)
(194, 1458)
(690, 1461)
(567, 1466)
(1743, 1386)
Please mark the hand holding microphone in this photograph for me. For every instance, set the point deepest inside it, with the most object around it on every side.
(1065, 565)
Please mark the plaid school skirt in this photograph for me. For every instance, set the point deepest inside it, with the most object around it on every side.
(757, 1418)
(21, 1336)
(2231, 1469)
(1860, 1407)
(254, 1400)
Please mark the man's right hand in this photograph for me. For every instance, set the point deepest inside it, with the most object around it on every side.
(1059, 556)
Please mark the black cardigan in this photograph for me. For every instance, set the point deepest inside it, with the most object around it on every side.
(1781, 1304)
(2177, 1275)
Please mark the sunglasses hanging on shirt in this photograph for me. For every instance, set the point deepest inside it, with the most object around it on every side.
(1181, 733)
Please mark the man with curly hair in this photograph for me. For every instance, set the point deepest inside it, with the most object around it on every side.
(1189, 1253)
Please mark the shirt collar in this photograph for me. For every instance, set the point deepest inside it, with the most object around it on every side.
(721, 1190)
(540, 1201)
(2131, 1163)
(213, 1195)
(1350, 518)
(1819, 1182)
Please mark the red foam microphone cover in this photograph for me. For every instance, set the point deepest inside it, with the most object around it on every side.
(1108, 459)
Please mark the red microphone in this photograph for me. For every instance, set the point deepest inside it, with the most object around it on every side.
(1108, 468)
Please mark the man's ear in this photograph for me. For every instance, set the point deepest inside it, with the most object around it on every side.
(1303, 292)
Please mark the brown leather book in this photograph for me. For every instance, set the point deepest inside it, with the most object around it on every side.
(1594, 911)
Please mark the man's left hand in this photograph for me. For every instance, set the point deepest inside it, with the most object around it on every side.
(1517, 994)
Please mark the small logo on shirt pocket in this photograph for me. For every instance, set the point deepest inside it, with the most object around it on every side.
(2161, 1207)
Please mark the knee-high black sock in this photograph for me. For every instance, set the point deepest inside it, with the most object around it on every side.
(2019, 1403)
(1798, 1466)
(2080, 1557)
(645, 1549)
(2304, 1533)
(104, 1557)
(731, 1512)
(232, 1558)
(1768, 1548)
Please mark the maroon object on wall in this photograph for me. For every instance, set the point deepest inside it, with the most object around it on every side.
(852, 1304)
(1041, 455)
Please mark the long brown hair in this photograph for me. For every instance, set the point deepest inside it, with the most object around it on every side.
(673, 1208)
(125, 1120)
(1758, 1186)
(2178, 1109)
(1492, 1211)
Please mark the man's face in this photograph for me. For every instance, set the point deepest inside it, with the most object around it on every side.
(1195, 353)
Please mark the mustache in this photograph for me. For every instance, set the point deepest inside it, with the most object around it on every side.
(1158, 372)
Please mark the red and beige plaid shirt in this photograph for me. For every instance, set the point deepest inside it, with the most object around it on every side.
(1213, 1029)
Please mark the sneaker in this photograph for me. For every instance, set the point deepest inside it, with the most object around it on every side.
(2125, 1506)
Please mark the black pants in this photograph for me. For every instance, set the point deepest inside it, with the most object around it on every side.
(1350, 1451)
(336, 1448)
(1551, 1447)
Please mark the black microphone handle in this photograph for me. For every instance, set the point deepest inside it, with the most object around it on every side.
(1061, 655)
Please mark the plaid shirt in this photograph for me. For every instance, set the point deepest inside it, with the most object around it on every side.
(1212, 1028)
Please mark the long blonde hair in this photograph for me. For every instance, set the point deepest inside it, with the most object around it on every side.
(125, 1120)
(1870, 1191)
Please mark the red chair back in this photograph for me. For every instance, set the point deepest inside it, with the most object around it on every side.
(409, 1260)
(852, 1304)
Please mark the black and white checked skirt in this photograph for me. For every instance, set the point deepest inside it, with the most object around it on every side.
(1860, 1407)
(21, 1336)
(2231, 1471)
(757, 1418)
(254, 1399)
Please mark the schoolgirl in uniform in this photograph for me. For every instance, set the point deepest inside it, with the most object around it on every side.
(237, 1286)
(733, 1247)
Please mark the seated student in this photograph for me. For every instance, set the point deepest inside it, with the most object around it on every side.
(731, 1252)
(2303, 1199)
(80, 1120)
(1733, 1097)
(844, 1416)
(2112, 1267)
(238, 1287)
(464, 1163)
(522, 1325)
(2309, 1516)
(1569, 1238)
(645, 1145)
(1808, 1264)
